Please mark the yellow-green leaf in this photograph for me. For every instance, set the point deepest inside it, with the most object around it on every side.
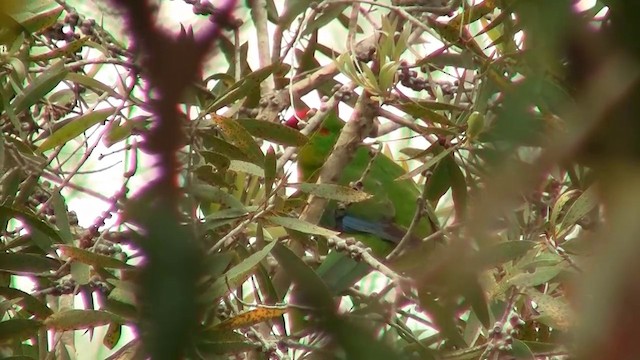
(274, 132)
(91, 258)
(300, 225)
(239, 137)
(333, 192)
(75, 319)
(74, 128)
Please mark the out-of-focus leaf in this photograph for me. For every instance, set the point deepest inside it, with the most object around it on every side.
(540, 276)
(27, 263)
(293, 8)
(35, 16)
(443, 317)
(32, 222)
(236, 275)
(554, 312)
(475, 296)
(74, 319)
(312, 290)
(503, 252)
(18, 329)
(274, 132)
(80, 272)
(521, 351)
(74, 128)
(326, 17)
(458, 189)
(28, 302)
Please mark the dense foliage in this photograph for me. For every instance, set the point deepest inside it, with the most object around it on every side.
(458, 180)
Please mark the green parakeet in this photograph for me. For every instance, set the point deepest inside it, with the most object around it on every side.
(380, 221)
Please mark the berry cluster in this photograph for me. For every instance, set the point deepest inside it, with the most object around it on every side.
(40, 197)
(66, 30)
(107, 248)
(68, 286)
(342, 92)
(204, 7)
(349, 245)
(410, 78)
(502, 334)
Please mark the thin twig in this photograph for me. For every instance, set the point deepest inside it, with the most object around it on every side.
(414, 222)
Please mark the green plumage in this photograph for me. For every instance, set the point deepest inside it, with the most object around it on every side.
(393, 202)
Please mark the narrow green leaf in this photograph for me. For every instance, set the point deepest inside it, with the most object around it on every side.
(66, 50)
(312, 290)
(274, 132)
(494, 255)
(240, 137)
(475, 295)
(40, 87)
(427, 165)
(28, 302)
(62, 217)
(17, 330)
(91, 258)
(36, 16)
(246, 167)
(540, 276)
(27, 263)
(520, 350)
(558, 206)
(91, 84)
(583, 205)
(240, 89)
(81, 319)
(269, 170)
(217, 160)
(74, 128)
(333, 192)
(216, 195)
(301, 225)
(224, 148)
(216, 342)
(35, 225)
(236, 275)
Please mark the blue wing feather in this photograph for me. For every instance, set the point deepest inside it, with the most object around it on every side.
(385, 231)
